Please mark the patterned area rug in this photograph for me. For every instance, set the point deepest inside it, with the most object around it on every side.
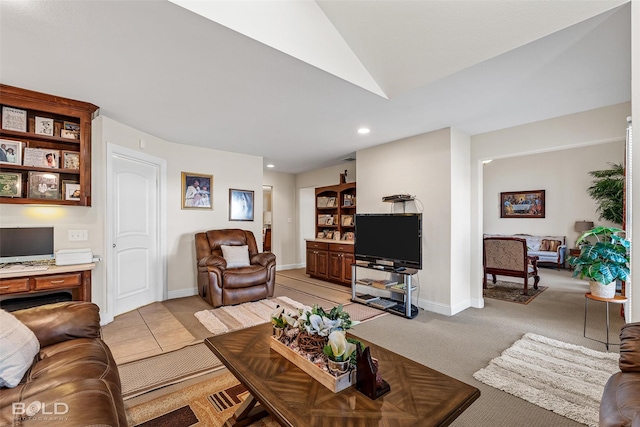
(208, 403)
(230, 318)
(511, 291)
(564, 378)
(148, 374)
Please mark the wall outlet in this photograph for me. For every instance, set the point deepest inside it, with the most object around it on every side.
(76, 235)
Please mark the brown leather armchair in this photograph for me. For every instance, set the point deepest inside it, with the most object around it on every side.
(219, 285)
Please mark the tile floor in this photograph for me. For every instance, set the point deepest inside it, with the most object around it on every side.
(147, 331)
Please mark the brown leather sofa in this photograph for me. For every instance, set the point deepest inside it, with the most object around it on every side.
(620, 404)
(219, 285)
(74, 378)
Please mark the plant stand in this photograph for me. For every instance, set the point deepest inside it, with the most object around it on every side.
(615, 300)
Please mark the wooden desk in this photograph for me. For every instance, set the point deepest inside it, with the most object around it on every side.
(75, 278)
(419, 396)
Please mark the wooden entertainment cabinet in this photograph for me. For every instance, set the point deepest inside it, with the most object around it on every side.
(330, 254)
(73, 278)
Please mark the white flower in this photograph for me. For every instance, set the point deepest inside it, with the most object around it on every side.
(341, 348)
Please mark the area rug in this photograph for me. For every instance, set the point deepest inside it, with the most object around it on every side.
(230, 318)
(208, 403)
(511, 291)
(142, 376)
(564, 378)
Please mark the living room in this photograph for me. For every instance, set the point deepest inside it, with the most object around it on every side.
(444, 167)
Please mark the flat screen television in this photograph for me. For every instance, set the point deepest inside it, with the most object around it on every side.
(26, 244)
(390, 238)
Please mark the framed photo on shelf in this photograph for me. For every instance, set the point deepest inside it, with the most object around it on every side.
(44, 185)
(196, 191)
(331, 202)
(240, 205)
(522, 204)
(70, 130)
(70, 160)
(10, 184)
(41, 157)
(349, 236)
(14, 119)
(44, 126)
(10, 152)
(71, 190)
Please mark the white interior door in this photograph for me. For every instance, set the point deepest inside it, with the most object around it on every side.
(136, 262)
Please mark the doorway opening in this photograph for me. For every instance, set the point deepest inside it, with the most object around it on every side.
(267, 217)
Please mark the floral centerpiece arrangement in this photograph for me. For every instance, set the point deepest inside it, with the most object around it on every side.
(318, 335)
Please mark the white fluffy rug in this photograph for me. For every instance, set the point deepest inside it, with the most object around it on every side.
(564, 378)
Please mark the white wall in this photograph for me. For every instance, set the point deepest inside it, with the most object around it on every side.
(284, 218)
(181, 224)
(307, 181)
(419, 166)
(600, 126)
(566, 195)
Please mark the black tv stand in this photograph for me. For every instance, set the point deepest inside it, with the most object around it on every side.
(402, 308)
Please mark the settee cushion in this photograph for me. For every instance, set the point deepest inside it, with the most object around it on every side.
(236, 256)
(550, 245)
(19, 346)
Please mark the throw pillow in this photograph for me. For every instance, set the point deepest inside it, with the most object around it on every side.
(544, 245)
(19, 346)
(236, 256)
(554, 245)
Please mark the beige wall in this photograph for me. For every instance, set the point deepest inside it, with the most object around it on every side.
(284, 218)
(564, 176)
(594, 127)
(422, 167)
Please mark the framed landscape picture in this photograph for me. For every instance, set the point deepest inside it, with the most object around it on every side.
(196, 191)
(240, 205)
(522, 204)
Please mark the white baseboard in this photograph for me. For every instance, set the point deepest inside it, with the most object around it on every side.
(289, 266)
(444, 309)
(181, 293)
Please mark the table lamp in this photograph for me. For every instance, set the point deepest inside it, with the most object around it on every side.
(582, 226)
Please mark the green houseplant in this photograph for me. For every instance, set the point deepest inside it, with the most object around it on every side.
(603, 259)
(607, 189)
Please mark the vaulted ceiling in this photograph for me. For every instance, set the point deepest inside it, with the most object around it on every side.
(292, 81)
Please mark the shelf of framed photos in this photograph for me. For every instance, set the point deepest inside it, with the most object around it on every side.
(21, 185)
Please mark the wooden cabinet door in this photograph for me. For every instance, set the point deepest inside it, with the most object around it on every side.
(322, 264)
(335, 265)
(347, 260)
(312, 262)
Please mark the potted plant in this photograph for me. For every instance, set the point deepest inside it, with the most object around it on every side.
(339, 351)
(603, 259)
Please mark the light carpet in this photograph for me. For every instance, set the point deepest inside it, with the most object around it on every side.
(564, 378)
(230, 318)
(148, 374)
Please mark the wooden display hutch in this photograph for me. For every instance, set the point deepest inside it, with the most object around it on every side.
(330, 255)
(68, 134)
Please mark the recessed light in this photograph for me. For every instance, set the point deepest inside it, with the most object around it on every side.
(363, 131)
(270, 165)
(484, 162)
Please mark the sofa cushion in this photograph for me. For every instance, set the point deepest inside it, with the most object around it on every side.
(630, 347)
(245, 277)
(19, 346)
(236, 256)
(550, 245)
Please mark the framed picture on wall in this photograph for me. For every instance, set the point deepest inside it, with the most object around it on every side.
(240, 205)
(522, 204)
(196, 191)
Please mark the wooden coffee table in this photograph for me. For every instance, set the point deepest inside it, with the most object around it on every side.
(419, 396)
